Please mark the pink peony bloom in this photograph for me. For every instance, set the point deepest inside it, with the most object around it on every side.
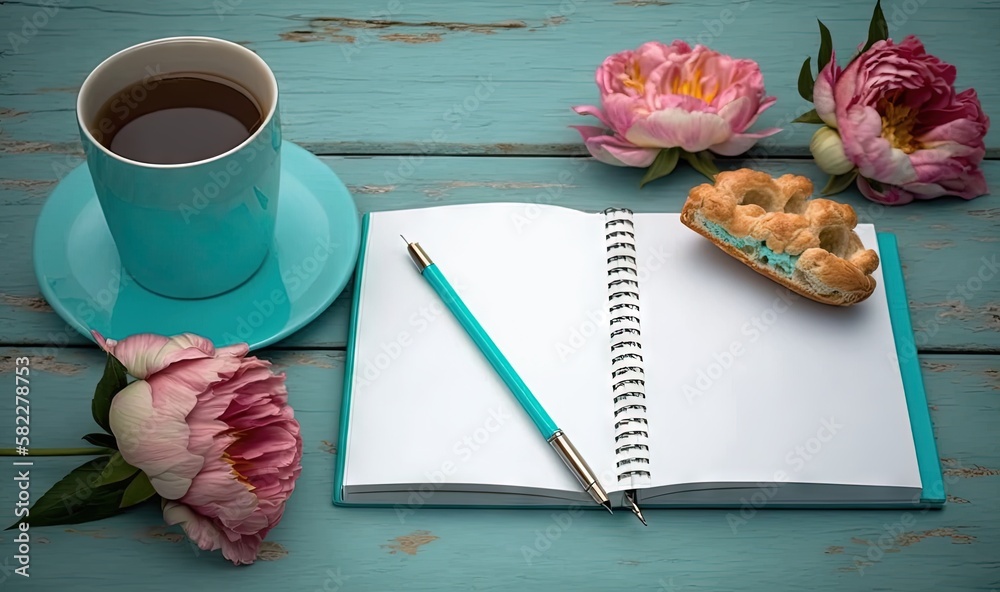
(666, 96)
(902, 124)
(212, 430)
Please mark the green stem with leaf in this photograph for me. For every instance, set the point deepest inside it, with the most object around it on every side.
(101, 487)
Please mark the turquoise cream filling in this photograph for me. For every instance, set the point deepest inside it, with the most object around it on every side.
(782, 262)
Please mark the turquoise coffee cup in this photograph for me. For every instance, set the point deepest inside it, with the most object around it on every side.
(195, 229)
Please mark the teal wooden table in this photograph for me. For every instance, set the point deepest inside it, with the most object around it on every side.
(426, 102)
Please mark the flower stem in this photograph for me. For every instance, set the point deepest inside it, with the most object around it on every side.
(57, 452)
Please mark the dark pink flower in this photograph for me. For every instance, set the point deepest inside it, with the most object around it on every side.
(213, 431)
(902, 124)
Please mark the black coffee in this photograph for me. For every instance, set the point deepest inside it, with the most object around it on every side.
(175, 120)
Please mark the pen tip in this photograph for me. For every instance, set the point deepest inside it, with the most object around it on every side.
(630, 498)
(608, 506)
(404, 239)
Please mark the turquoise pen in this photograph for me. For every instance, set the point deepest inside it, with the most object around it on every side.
(543, 422)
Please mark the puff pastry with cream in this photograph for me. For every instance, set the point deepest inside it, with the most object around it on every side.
(770, 225)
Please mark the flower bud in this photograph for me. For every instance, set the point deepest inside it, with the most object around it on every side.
(828, 150)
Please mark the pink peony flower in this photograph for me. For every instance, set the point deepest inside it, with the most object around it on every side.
(212, 430)
(902, 124)
(666, 96)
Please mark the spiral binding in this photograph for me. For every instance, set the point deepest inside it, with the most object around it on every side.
(627, 374)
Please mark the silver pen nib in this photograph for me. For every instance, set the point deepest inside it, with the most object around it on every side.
(630, 498)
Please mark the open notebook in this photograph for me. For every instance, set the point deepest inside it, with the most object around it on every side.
(676, 371)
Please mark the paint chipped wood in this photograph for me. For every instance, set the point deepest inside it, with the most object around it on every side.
(94, 533)
(332, 34)
(410, 543)
(10, 146)
(989, 214)
(8, 113)
(971, 472)
(938, 244)
(958, 538)
(302, 359)
(371, 189)
(936, 366)
(44, 363)
(333, 29)
(271, 551)
(29, 303)
(572, 37)
(992, 311)
(30, 186)
(161, 533)
(412, 37)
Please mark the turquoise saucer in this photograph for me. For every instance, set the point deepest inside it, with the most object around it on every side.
(317, 238)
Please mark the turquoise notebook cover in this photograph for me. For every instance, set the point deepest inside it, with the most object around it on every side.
(909, 366)
(933, 494)
(345, 405)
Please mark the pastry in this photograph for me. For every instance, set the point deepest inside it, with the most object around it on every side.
(771, 225)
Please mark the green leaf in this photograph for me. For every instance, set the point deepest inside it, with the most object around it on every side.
(806, 82)
(77, 497)
(877, 29)
(113, 381)
(825, 47)
(876, 185)
(139, 490)
(808, 117)
(116, 470)
(838, 183)
(102, 440)
(662, 166)
(702, 162)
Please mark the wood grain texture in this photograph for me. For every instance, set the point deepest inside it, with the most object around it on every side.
(440, 77)
(318, 546)
(949, 247)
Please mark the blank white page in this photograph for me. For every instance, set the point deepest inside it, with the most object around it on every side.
(426, 405)
(748, 382)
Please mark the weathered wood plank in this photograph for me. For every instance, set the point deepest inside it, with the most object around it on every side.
(949, 247)
(320, 547)
(395, 76)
